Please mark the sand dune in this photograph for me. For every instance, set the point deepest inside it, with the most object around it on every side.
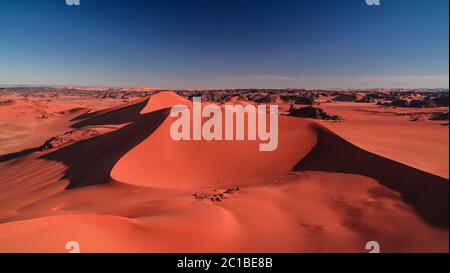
(130, 189)
(426, 192)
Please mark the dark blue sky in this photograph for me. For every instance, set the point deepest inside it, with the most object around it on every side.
(225, 43)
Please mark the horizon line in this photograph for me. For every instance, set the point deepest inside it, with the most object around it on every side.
(25, 85)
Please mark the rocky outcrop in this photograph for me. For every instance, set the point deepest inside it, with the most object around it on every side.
(345, 97)
(216, 195)
(439, 116)
(297, 100)
(7, 102)
(68, 138)
(311, 112)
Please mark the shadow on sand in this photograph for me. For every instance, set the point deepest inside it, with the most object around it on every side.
(427, 193)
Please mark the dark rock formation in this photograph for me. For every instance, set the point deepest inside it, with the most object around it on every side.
(311, 112)
(439, 116)
(68, 138)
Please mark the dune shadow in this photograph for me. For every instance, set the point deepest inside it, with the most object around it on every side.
(116, 115)
(91, 161)
(15, 155)
(427, 193)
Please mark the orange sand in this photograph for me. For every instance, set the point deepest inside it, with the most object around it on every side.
(131, 188)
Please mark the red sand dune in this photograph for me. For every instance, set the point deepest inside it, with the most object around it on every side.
(131, 190)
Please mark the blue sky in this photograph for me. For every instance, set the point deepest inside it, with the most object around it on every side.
(225, 43)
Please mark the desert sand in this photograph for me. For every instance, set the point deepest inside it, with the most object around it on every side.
(331, 186)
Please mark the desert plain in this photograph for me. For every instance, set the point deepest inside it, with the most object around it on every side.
(97, 166)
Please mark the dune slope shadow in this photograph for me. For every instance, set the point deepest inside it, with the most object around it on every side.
(427, 193)
(124, 113)
(91, 161)
(121, 114)
(11, 156)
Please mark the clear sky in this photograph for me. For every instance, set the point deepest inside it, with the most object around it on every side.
(225, 43)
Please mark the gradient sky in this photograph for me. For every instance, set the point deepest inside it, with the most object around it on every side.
(225, 43)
